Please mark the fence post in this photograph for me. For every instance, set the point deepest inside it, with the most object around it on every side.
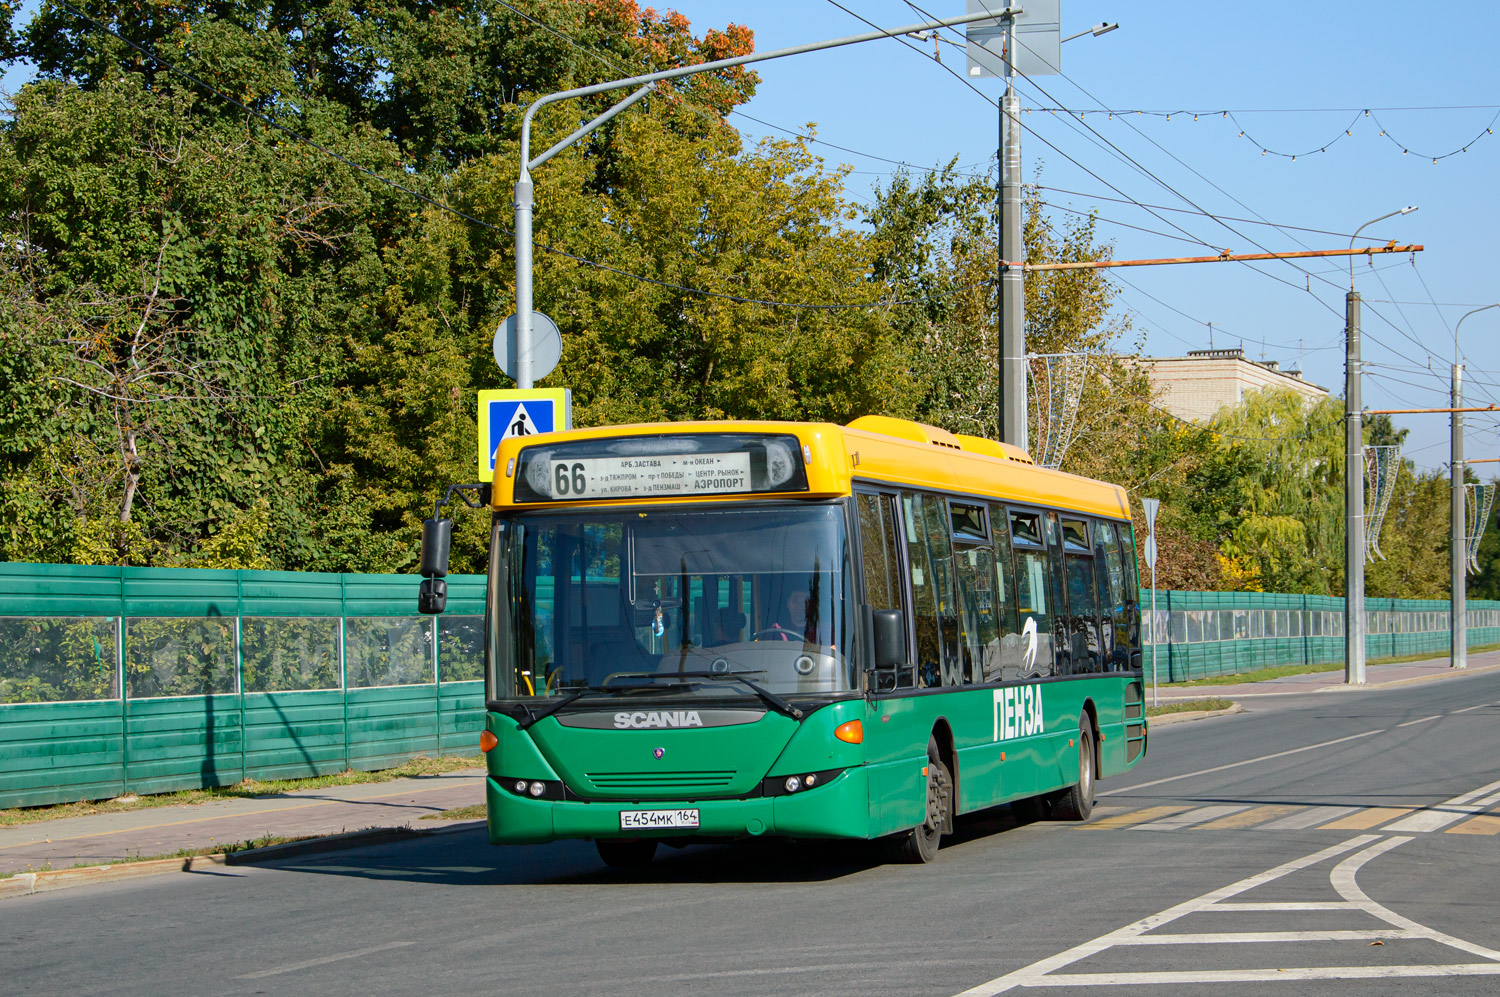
(124, 706)
(437, 684)
(344, 674)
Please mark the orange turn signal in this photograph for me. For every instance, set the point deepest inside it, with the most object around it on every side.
(487, 741)
(853, 732)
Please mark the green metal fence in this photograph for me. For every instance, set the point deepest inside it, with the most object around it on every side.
(146, 680)
(1207, 634)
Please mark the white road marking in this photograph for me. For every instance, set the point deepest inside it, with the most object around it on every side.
(292, 967)
(1190, 818)
(1410, 723)
(1450, 812)
(1481, 706)
(1237, 937)
(1264, 975)
(1235, 765)
(1308, 818)
(1037, 973)
(1342, 879)
(1355, 852)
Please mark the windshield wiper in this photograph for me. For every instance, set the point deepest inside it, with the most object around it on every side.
(766, 695)
(607, 688)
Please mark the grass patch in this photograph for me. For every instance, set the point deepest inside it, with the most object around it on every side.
(1190, 706)
(243, 790)
(475, 812)
(1258, 675)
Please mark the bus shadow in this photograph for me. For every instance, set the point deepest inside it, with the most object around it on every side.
(465, 858)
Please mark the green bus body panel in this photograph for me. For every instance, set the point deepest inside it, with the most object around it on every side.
(881, 791)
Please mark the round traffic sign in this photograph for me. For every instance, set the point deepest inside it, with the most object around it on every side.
(546, 346)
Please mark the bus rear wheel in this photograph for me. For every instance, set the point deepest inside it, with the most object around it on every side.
(920, 844)
(1077, 802)
(626, 853)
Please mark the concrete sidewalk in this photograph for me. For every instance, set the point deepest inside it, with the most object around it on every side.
(1376, 677)
(111, 837)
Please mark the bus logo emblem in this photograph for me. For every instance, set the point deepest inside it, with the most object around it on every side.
(659, 752)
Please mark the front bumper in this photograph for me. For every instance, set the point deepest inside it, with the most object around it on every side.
(837, 809)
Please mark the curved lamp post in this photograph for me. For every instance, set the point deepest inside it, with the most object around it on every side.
(1458, 536)
(1354, 476)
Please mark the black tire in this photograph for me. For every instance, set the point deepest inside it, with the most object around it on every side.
(920, 844)
(1077, 801)
(626, 853)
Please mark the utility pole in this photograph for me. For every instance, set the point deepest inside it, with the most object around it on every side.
(1459, 554)
(1354, 499)
(1354, 479)
(1013, 427)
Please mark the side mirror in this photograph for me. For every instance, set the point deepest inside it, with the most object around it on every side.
(432, 597)
(437, 540)
(890, 638)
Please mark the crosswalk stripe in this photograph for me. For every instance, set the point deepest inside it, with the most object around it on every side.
(1308, 817)
(1450, 812)
(1365, 819)
(1135, 817)
(1484, 824)
(1248, 817)
(1189, 818)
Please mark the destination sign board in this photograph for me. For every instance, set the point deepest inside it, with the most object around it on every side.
(645, 476)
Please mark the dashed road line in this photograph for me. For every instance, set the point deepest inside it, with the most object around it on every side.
(1309, 817)
(1366, 819)
(1412, 723)
(1248, 818)
(1191, 817)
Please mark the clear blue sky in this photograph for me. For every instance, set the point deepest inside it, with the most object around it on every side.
(1299, 78)
(1284, 71)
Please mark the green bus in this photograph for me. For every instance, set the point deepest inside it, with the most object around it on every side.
(713, 631)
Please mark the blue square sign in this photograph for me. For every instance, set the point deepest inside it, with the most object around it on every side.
(503, 414)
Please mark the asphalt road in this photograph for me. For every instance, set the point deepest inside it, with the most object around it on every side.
(1321, 844)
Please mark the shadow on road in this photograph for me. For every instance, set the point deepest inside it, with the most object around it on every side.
(465, 858)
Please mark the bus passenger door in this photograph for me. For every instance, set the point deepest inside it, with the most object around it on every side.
(896, 783)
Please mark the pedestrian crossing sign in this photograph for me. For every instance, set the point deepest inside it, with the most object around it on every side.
(519, 412)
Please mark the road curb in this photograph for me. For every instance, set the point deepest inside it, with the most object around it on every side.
(1178, 718)
(1451, 673)
(26, 883)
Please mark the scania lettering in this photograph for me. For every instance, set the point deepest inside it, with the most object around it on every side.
(722, 630)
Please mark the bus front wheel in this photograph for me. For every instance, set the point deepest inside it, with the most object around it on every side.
(1077, 802)
(920, 844)
(620, 853)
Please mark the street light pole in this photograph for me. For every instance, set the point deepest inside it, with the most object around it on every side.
(1458, 535)
(1013, 425)
(523, 190)
(1354, 480)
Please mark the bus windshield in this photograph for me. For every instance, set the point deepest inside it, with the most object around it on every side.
(621, 600)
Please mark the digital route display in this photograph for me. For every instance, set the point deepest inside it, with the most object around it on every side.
(647, 476)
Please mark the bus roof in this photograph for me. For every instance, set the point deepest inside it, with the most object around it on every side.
(875, 449)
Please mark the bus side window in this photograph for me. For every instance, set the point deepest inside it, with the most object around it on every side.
(1112, 596)
(1061, 646)
(1086, 651)
(1126, 536)
(1031, 652)
(974, 572)
(882, 564)
(924, 593)
(940, 556)
(1006, 648)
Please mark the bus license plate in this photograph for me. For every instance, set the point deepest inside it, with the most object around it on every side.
(631, 820)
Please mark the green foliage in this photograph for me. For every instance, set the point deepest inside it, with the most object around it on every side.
(45, 660)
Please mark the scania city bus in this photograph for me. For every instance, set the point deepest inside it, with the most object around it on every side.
(711, 631)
